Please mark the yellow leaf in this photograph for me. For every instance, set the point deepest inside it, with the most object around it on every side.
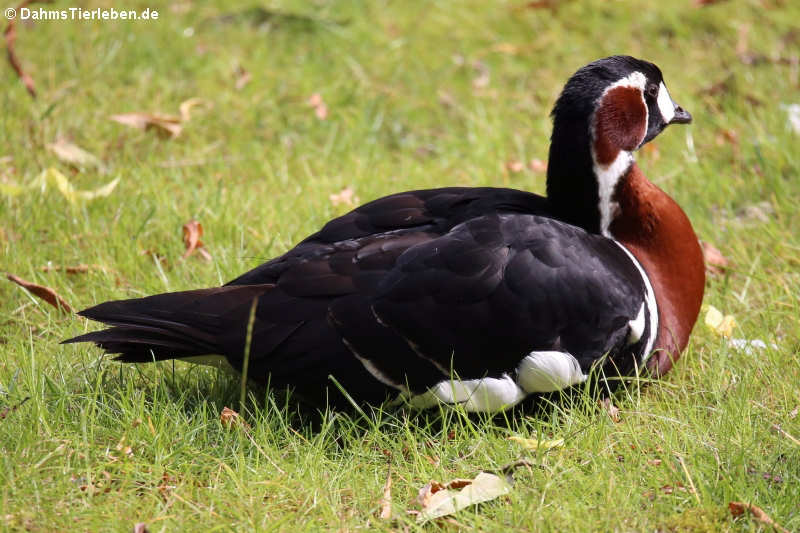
(534, 444)
(53, 178)
(718, 323)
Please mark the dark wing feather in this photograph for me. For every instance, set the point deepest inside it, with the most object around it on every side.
(480, 298)
(434, 211)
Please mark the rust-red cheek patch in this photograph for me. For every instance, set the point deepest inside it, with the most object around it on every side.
(620, 123)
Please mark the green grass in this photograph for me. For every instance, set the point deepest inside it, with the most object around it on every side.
(405, 112)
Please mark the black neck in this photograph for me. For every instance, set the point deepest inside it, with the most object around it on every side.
(571, 182)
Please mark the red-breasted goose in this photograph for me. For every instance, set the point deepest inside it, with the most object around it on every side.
(477, 296)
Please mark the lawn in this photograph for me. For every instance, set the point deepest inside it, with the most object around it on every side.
(297, 112)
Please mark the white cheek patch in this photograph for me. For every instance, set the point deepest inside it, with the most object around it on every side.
(665, 104)
(549, 371)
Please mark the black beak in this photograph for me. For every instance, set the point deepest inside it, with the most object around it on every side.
(681, 116)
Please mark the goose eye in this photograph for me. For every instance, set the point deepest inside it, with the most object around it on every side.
(652, 90)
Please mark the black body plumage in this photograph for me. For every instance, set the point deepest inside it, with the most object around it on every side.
(409, 291)
(419, 284)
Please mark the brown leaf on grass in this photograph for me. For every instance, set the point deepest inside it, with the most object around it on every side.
(167, 485)
(542, 4)
(793, 413)
(439, 500)
(45, 293)
(243, 77)
(74, 155)
(231, 419)
(738, 509)
(515, 166)
(168, 126)
(702, 3)
(6, 410)
(727, 136)
(192, 231)
(344, 197)
(75, 269)
(140, 527)
(10, 34)
(320, 109)
(652, 151)
(537, 165)
(163, 125)
(716, 263)
(670, 489)
(386, 500)
(611, 410)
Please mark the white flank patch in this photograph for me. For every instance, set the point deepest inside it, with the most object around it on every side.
(549, 371)
(609, 175)
(665, 104)
(637, 327)
(650, 301)
(476, 395)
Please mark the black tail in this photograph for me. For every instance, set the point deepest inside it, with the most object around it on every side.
(171, 325)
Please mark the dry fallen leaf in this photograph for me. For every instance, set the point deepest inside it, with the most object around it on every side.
(6, 410)
(45, 293)
(483, 77)
(75, 269)
(74, 154)
(793, 413)
(320, 109)
(515, 166)
(718, 323)
(537, 165)
(386, 500)
(231, 419)
(612, 410)
(533, 444)
(164, 125)
(716, 263)
(187, 106)
(346, 197)
(140, 527)
(701, 3)
(738, 509)
(243, 77)
(54, 178)
(442, 500)
(10, 34)
(192, 231)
